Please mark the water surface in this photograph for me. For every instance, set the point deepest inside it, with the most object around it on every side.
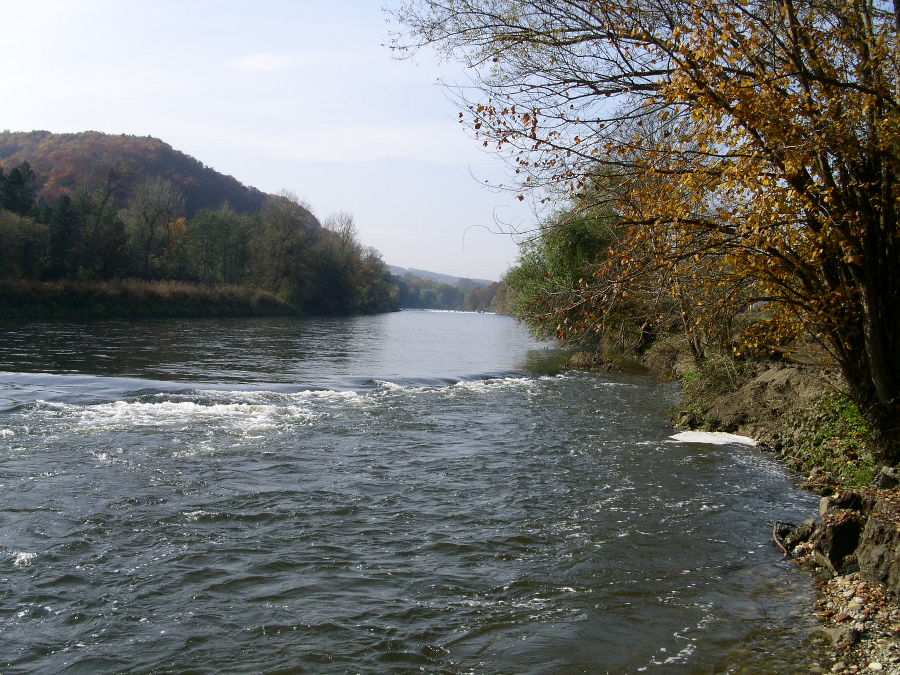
(412, 492)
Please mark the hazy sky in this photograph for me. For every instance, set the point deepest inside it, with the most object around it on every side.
(299, 95)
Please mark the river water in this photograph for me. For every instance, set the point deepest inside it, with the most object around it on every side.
(410, 492)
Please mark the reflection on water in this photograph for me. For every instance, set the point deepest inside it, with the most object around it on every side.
(314, 352)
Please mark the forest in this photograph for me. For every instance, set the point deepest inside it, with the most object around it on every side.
(80, 210)
(98, 212)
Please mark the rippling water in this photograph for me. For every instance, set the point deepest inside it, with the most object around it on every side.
(402, 493)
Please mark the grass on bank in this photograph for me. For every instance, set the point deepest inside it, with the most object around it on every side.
(133, 298)
(716, 375)
(834, 439)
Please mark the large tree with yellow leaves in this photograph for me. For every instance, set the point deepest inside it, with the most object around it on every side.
(763, 135)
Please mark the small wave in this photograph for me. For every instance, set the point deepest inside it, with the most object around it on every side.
(451, 311)
(495, 384)
(24, 389)
(415, 384)
(259, 397)
(244, 417)
(476, 385)
(9, 405)
(690, 643)
(390, 386)
(199, 514)
(22, 558)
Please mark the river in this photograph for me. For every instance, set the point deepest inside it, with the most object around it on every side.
(409, 492)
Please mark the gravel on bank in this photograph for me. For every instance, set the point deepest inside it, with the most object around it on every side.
(861, 624)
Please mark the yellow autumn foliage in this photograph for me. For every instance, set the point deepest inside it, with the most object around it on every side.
(750, 149)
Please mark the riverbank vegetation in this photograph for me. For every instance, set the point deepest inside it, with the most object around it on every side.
(71, 235)
(726, 172)
(133, 299)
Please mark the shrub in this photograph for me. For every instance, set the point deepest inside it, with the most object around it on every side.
(834, 438)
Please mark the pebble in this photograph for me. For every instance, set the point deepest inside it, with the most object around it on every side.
(872, 619)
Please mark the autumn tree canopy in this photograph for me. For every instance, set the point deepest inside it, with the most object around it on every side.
(759, 137)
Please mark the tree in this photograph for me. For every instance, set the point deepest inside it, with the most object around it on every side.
(23, 246)
(762, 133)
(549, 278)
(217, 247)
(65, 233)
(335, 265)
(375, 290)
(281, 244)
(151, 216)
(97, 244)
(17, 189)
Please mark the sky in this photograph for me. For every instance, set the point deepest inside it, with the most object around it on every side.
(296, 95)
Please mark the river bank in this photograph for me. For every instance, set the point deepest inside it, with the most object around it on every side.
(794, 407)
(133, 299)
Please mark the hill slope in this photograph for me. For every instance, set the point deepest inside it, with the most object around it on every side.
(442, 278)
(61, 162)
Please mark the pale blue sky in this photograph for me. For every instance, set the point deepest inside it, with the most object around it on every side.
(282, 95)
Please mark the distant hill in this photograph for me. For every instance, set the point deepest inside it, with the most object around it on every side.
(421, 289)
(62, 161)
(458, 282)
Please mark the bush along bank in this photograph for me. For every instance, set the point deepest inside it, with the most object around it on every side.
(796, 408)
(133, 299)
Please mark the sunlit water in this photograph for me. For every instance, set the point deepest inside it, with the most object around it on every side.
(414, 492)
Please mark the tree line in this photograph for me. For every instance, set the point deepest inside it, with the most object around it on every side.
(103, 231)
(730, 169)
(465, 295)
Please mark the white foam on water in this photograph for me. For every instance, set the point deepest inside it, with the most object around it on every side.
(495, 384)
(243, 417)
(22, 558)
(485, 386)
(327, 395)
(682, 656)
(103, 457)
(391, 386)
(262, 397)
(387, 389)
(712, 438)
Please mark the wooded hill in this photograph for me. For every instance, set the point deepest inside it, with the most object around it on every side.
(91, 207)
(62, 163)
